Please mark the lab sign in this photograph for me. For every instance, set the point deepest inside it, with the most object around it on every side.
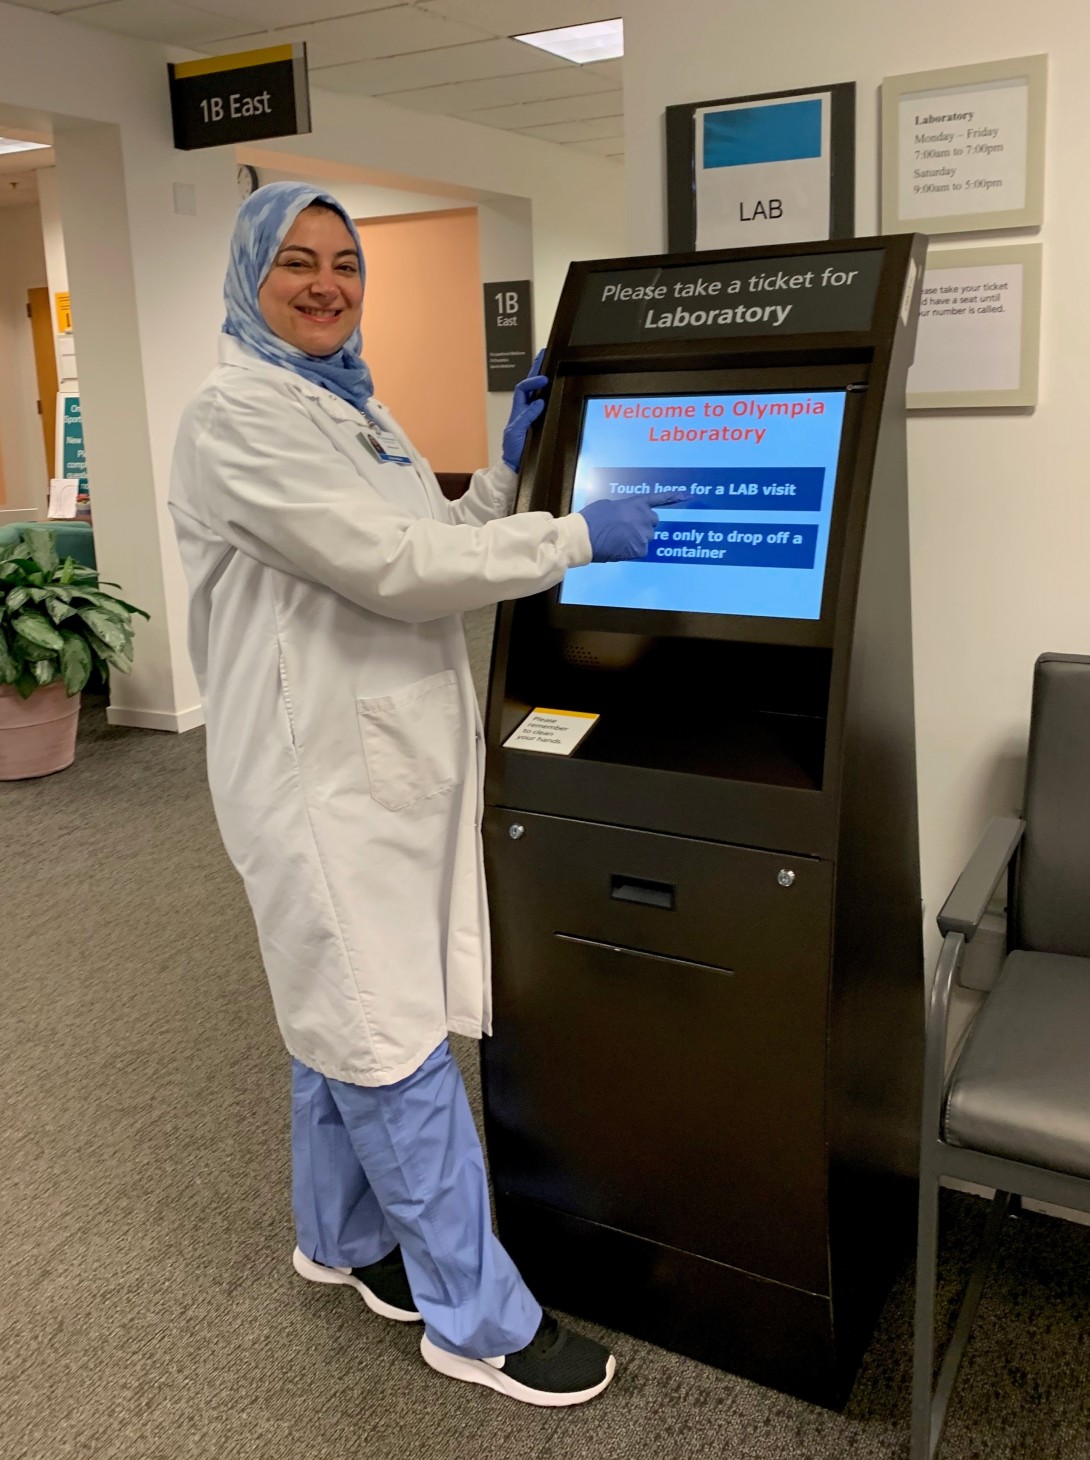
(240, 98)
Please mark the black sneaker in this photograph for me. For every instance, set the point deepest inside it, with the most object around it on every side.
(383, 1285)
(556, 1367)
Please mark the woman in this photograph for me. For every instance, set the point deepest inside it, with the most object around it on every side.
(327, 574)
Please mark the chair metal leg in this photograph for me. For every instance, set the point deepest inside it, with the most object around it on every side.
(927, 1240)
(929, 1410)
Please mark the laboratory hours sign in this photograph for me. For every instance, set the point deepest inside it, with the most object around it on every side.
(240, 98)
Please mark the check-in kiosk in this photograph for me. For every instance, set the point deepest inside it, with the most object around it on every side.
(700, 822)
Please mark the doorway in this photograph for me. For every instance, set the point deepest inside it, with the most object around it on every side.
(45, 366)
(423, 331)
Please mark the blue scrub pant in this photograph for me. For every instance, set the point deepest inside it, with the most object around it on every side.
(375, 1166)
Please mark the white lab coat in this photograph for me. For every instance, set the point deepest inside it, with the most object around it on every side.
(345, 751)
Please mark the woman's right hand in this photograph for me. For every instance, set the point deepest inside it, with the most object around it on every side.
(621, 530)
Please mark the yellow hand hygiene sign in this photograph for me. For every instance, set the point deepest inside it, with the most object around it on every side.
(63, 306)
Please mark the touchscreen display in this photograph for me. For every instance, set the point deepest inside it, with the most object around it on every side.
(751, 536)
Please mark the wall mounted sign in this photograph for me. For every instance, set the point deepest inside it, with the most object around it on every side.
(978, 339)
(240, 98)
(508, 333)
(810, 294)
(62, 304)
(963, 149)
(776, 168)
(71, 458)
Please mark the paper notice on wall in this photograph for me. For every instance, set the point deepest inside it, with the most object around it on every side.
(964, 150)
(62, 498)
(66, 360)
(970, 332)
(762, 172)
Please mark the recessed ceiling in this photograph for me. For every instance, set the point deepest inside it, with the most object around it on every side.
(449, 57)
(19, 175)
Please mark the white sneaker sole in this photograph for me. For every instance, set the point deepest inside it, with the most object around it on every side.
(314, 1272)
(480, 1371)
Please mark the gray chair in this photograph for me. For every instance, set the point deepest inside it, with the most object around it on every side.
(1014, 1114)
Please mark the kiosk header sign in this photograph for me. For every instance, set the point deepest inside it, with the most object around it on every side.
(240, 98)
(811, 294)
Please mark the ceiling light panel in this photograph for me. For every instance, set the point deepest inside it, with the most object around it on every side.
(12, 144)
(601, 40)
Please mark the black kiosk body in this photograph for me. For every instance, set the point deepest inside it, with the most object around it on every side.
(701, 1096)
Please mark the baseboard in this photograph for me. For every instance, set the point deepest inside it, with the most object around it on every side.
(176, 722)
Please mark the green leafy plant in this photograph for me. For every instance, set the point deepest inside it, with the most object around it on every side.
(55, 620)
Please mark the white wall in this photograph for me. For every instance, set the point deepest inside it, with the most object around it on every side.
(56, 261)
(506, 233)
(1000, 503)
(22, 267)
(360, 199)
(173, 268)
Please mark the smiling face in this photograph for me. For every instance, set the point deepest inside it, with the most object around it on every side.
(312, 297)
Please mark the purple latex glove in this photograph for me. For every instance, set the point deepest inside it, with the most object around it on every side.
(621, 530)
(524, 412)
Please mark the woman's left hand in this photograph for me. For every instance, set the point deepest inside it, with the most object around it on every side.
(524, 412)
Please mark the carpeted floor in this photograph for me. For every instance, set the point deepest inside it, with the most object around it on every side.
(147, 1304)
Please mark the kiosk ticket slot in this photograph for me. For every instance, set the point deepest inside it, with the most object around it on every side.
(701, 1094)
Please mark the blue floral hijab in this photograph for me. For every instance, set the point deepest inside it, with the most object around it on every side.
(263, 220)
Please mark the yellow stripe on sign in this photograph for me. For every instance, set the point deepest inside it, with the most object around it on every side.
(236, 62)
(575, 714)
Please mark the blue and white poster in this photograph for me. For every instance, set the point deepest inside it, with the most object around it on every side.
(763, 171)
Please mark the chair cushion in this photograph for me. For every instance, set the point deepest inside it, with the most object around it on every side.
(1021, 1086)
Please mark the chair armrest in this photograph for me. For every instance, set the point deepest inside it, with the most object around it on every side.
(968, 901)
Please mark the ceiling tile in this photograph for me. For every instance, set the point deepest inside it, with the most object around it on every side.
(155, 20)
(254, 15)
(32, 161)
(609, 73)
(476, 62)
(400, 31)
(499, 91)
(539, 113)
(604, 146)
(578, 131)
(57, 7)
(516, 17)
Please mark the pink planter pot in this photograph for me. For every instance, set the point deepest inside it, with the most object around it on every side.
(37, 735)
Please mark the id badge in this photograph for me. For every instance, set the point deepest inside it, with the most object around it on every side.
(383, 445)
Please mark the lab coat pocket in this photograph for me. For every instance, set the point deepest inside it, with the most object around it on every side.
(414, 741)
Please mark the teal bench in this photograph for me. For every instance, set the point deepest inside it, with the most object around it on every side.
(74, 539)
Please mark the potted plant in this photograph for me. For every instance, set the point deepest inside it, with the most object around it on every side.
(57, 626)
